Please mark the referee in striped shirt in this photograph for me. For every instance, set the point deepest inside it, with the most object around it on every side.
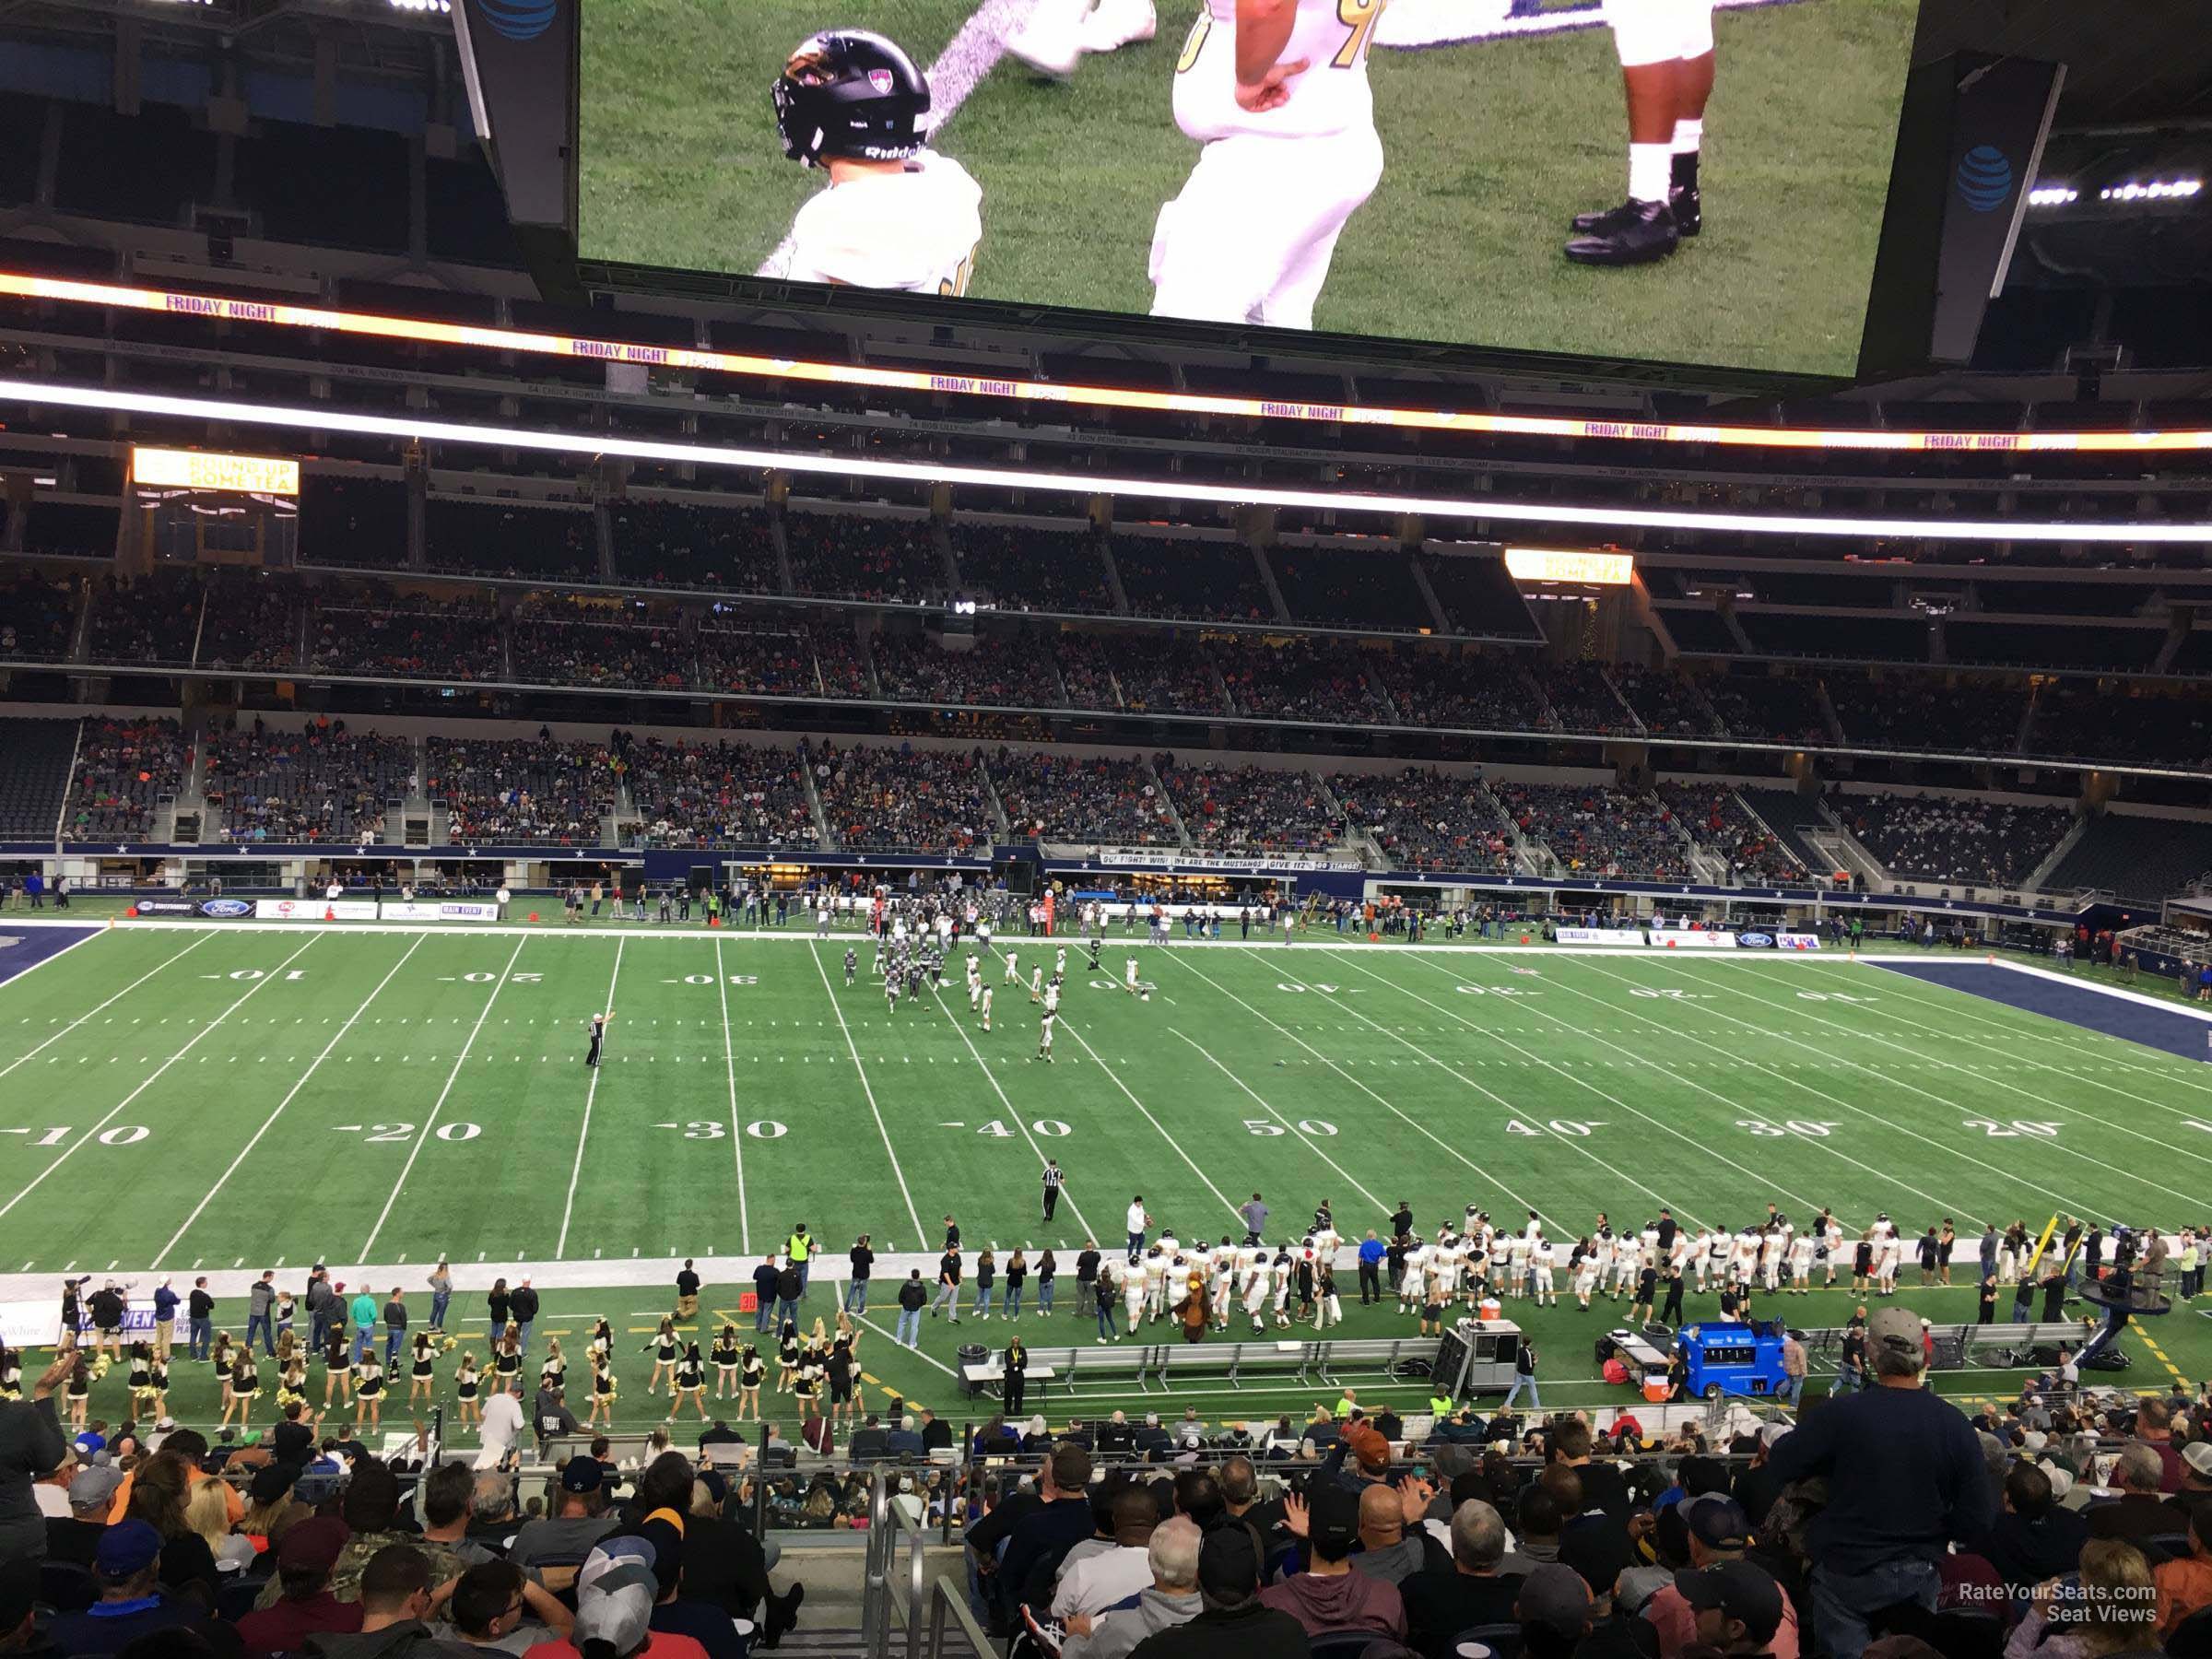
(1053, 1181)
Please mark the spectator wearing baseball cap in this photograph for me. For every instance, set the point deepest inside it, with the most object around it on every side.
(580, 1520)
(1738, 1607)
(305, 1607)
(1718, 1531)
(76, 1539)
(131, 1604)
(1233, 1621)
(1329, 1598)
(615, 1590)
(1905, 1478)
(2196, 1482)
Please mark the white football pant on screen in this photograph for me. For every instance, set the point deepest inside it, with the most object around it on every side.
(1057, 33)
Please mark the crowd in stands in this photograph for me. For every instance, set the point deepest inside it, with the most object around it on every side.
(1599, 831)
(251, 623)
(761, 661)
(697, 795)
(1155, 674)
(877, 798)
(1425, 819)
(353, 521)
(1022, 566)
(1229, 808)
(509, 538)
(409, 635)
(321, 784)
(123, 767)
(1191, 580)
(678, 544)
(1010, 670)
(1583, 700)
(1060, 797)
(37, 614)
(1477, 692)
(2149, 730)
(1914, 713)
(564, 641)
(1085, 671)
(1669, 702)
(1952, 838)
(1717, 819)
(1364, 587)
(522, 789)
(856, 555)
(1299, 679)
(1767, 708)
(149, 619)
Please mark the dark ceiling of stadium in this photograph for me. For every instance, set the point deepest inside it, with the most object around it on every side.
(2144, 61)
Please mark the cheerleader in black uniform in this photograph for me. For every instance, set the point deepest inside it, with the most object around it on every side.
(465, 1389)
(690, 1382)
(843, 1370)
(554, 1373)
(787, 1355)
(662, 1347)
(222, 1354)
(603, 1342)
(807, 1383)
(751, 1367)
(603, 1394)
(292, 1382)
(80, 1393)
(422, 1384)
(11, 1374)
(724, 1355)
(368, 1392)
(156, 1386)
(142, 1381)
(337, 1367)
(507, 1363)
(245, 1388)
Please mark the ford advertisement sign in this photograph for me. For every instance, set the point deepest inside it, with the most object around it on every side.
(226, 909)
(1755, 941)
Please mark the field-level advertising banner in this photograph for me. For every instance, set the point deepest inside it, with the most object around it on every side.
(1629, 936)
(1796, 941)
(1415, 180)
(26, 1325)
(314, 909)
(1672, 938)
(440, 910)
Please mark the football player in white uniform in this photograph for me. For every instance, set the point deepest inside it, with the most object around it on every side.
(1276, 93)
(897, 215)
(1666, 49)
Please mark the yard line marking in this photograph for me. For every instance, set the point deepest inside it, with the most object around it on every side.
(155, 1076)
(1215, 1061)
(971, 54)
(1552, 1066)
(1114, 1078)
(1021, 1122)
(911, 1353)
(729, 1059)
(2074, 1204)
(208, 1197)
(89, 1012)
(584, 1134)
(452, 1077)
(1692, 1082)
(868, 1090)
(1184, 961)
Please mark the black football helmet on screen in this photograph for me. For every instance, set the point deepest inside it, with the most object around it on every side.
(849, 92)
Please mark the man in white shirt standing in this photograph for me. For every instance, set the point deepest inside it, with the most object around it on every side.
(1139, 1221)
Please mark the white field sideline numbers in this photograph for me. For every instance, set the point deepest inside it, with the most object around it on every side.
(1318, 987)
(1670, 993)
(707, 1129)
(1051, 1128)
(1842, 996)
(2011, 1128)
(1304, 1127)
(405, 1131)
(484, 976)
(1817, 1128)
(1494, 991)
(121, 1134)
(1575, 1129)
(290, 975)
(708, 979)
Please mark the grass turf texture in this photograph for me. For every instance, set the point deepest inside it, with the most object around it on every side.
(412, 1094)
(1490, 147)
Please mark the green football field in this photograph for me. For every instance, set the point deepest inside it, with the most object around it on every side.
(1490, 147)
(218, 1099)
